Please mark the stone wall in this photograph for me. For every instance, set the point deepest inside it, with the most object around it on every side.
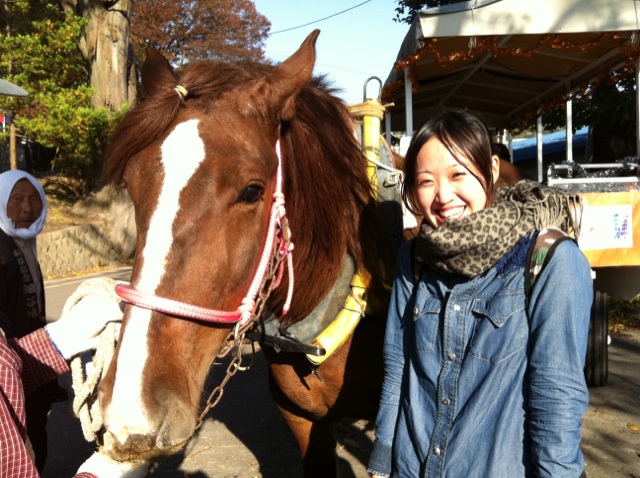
(108, 240)
(76, 249)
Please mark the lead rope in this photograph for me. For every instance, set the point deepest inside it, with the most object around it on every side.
(85, 401)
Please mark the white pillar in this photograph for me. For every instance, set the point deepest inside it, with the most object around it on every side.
(387, 126)
(638, 107)
(408, 95)
(569, 140)
(539, 145)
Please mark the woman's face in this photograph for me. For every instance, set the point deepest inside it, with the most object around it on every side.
(446, 190)
(25, 204)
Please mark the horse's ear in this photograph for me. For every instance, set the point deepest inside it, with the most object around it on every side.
(292, 75)
(156, 72)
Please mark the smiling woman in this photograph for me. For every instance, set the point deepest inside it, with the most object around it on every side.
(466, 349)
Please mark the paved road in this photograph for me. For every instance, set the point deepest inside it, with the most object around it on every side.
(245, 436)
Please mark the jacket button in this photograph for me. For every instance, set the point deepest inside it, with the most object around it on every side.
(451, 357)
(415, 311)
(446, 401)
(436, 451)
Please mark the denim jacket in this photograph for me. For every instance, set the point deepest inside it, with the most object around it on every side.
(481, 382)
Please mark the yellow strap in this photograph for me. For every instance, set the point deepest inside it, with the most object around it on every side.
(345, 322)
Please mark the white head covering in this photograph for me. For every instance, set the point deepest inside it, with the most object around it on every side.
(8, 180)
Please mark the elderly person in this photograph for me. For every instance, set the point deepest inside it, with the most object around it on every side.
(23, 211)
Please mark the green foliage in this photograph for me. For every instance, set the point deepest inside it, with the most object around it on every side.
(408, 9)
(623, 313)
(610, 104)
(42, 56)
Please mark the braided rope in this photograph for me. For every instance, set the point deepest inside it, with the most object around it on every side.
(368, 108)
(85, 383)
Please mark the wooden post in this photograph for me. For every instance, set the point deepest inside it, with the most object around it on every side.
(13, 158)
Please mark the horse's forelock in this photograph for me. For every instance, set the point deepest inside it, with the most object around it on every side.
(152, 118)
(139, 128)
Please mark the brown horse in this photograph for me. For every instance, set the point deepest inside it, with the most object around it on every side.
(199, 160)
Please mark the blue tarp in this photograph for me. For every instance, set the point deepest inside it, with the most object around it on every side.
(551, 143)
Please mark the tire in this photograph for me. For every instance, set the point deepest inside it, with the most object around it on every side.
(596, 368)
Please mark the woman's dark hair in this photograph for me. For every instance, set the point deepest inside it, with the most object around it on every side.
(467, 139)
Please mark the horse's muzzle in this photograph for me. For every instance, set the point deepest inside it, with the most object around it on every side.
(141, 447)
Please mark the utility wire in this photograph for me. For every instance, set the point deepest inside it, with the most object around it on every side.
(319, 20)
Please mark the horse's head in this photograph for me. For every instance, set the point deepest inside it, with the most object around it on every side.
(199, 161)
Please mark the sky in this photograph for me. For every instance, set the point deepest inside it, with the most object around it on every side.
(361, 42)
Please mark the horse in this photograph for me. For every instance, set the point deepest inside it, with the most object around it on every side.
(209, 161)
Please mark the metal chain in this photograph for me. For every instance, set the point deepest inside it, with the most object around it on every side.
(217, 392)
(236, 338)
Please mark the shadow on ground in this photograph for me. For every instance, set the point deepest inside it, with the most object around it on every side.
(244, 436)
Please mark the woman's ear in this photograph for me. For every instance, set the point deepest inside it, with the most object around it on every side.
(495, 168)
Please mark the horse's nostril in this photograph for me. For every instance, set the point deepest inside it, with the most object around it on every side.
(141, 447)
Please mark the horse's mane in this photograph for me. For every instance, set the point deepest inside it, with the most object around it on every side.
(331, 207)
(327, 190)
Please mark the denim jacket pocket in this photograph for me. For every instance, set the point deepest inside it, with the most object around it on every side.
(500, 328)
(425, 322)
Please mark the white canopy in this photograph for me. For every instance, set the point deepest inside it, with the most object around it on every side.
(509, 60)
(9, 89)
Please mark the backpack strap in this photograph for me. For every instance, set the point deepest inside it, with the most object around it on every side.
(540, 252)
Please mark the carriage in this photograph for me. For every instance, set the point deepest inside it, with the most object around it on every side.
(611, 196)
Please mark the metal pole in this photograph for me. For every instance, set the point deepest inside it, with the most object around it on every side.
(539, 145)
(387, 126)
(408, 94)
(637, 107)
(569, 139)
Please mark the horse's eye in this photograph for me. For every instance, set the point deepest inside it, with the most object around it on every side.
(251, 194)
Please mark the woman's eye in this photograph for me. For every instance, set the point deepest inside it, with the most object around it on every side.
(251, 194)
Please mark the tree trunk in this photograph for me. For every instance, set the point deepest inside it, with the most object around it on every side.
(106, 45)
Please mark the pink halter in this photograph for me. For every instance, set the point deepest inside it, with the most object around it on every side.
(277, 247)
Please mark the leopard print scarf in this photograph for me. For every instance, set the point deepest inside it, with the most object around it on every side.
(472, 244)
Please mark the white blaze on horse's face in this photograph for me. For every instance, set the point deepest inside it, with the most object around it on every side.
(126, 414)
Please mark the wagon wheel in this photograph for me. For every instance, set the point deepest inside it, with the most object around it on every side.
(596, 369)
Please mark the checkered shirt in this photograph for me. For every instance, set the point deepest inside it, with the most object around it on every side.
(25, 364)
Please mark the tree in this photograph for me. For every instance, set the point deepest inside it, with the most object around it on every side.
(609, 108)
(105, 45)
(408, 9)
(41, 55)
(187, 30)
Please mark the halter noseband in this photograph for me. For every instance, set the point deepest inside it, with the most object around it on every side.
(277, 248)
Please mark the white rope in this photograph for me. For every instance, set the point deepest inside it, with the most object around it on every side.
(85, 383)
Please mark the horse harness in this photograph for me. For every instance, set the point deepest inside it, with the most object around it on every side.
(277, 249)
(317, 339)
